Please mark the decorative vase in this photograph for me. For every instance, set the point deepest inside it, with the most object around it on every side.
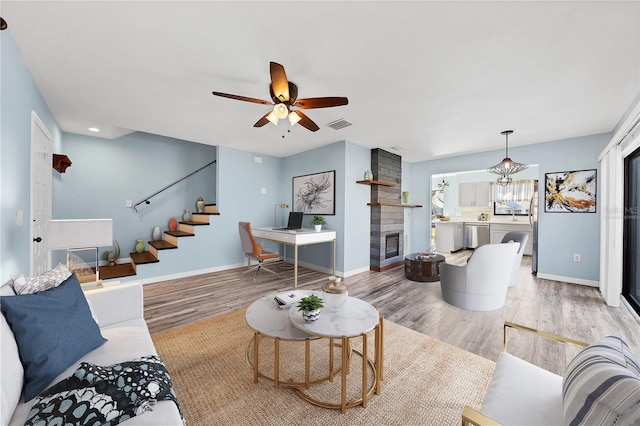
(156, 234)
(334, 293)
(186, 216)
(139, 246)
(368, 175)
(318, 228)
(310, 316)
(173, 224)
(200, 205)
(405, 197)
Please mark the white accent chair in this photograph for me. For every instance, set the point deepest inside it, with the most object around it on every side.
(481, 284)
(517, 237)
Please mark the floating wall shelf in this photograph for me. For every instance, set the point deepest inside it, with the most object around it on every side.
(375, 182)
(390, 204)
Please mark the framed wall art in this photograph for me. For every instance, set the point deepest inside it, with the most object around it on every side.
(570, 192)
(315, 193)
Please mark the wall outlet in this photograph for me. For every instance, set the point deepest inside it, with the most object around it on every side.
(576, 257)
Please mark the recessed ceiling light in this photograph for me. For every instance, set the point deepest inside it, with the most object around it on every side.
(94, 129)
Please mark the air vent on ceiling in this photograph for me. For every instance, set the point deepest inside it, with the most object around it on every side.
(339, 124)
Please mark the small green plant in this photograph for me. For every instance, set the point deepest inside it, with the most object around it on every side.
(318, 220)
(310, 303)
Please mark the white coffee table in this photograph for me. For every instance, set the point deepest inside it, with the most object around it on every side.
(355, 318)
(266, 319)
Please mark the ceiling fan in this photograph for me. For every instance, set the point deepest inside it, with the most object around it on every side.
(285, 100)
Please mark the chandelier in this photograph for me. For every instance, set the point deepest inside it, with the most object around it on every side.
(507, 166)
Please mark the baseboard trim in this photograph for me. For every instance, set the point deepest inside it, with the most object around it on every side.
(570, 280)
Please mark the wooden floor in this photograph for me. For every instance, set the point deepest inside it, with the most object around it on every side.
(567, 309)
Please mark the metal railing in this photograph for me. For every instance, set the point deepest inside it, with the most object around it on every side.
(147, 199)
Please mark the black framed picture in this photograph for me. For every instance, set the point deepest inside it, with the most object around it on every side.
(315, 193)
(570, 192)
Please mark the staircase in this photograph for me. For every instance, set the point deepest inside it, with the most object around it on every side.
(169, 242)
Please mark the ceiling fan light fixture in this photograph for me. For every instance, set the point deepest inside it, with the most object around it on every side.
(273, 118)
(507, 166)
(281, 111)
(294, 118)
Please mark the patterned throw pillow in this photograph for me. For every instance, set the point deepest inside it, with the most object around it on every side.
(601, 385)
(50, 279)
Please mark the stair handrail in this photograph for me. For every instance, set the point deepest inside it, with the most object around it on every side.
(146, 200)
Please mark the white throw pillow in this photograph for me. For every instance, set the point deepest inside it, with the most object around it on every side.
(50, 279)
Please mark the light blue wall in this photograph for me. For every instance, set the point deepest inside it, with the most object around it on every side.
(357, 214)
(560, 234)
(108, 172)
(19, 96)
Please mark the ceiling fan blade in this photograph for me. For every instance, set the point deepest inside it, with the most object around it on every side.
(242, 98)
(327, 102)
(262, 121)
(279, 82)
(306, 122)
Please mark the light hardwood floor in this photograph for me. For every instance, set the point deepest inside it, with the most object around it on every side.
(567, 309)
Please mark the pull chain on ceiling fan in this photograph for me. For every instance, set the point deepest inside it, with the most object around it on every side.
(285, 98)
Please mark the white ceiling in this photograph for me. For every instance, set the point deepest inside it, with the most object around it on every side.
(437, 78)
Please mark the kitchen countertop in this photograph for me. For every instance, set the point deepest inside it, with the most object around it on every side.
(522, 220)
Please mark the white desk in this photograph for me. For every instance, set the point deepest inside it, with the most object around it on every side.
(295, 239)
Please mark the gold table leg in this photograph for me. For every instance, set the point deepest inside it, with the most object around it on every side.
(276, 363)
(255, 357)
(345, 366)
(365, 354)
(307, 367)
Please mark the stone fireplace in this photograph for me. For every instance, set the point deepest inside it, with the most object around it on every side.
(387, 221)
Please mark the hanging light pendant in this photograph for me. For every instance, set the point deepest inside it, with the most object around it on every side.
(507, 166)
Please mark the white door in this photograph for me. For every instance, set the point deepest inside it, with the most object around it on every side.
(41, 183)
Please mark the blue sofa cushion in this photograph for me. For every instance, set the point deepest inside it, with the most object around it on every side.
(53, 329)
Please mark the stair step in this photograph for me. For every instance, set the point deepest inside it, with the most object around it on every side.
(162, 245)
(207, 213)
(179, 233)
(117, 271)
(142, 258)
(193, 223)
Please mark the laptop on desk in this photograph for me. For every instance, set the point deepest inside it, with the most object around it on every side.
(294, 223)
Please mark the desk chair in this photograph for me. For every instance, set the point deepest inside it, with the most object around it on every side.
(253, 250)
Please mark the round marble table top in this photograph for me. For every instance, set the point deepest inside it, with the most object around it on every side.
(354, 318)
(268, 319)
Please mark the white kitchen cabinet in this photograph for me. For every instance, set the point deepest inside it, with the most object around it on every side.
(449, 236)
(499, 230)
(474, 194)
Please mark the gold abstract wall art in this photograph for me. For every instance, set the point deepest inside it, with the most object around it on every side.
(570, 192)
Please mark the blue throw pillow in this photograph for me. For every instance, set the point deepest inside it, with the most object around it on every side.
(53, 329)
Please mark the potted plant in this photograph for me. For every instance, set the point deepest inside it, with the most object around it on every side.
(317, 222)
(310, 307)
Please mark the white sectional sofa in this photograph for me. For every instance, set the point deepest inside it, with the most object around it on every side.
(119, 312)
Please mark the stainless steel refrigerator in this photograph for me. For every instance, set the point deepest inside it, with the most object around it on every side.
(533, 223)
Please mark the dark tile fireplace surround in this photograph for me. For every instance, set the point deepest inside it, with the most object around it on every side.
(387, 222)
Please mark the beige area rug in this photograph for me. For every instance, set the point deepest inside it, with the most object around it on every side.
(426, 381)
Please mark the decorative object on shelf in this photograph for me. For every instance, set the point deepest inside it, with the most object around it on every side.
(315, 193)
(507, 166)
(368, 175)
(107, 255)
(335, 293)
(156, 235)
(200, 205)
(61, 162)
(317, 222)
(570, 192)
(173, 224)
(310, 307)
(186, 216)
(140, 246)
(405, 197)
